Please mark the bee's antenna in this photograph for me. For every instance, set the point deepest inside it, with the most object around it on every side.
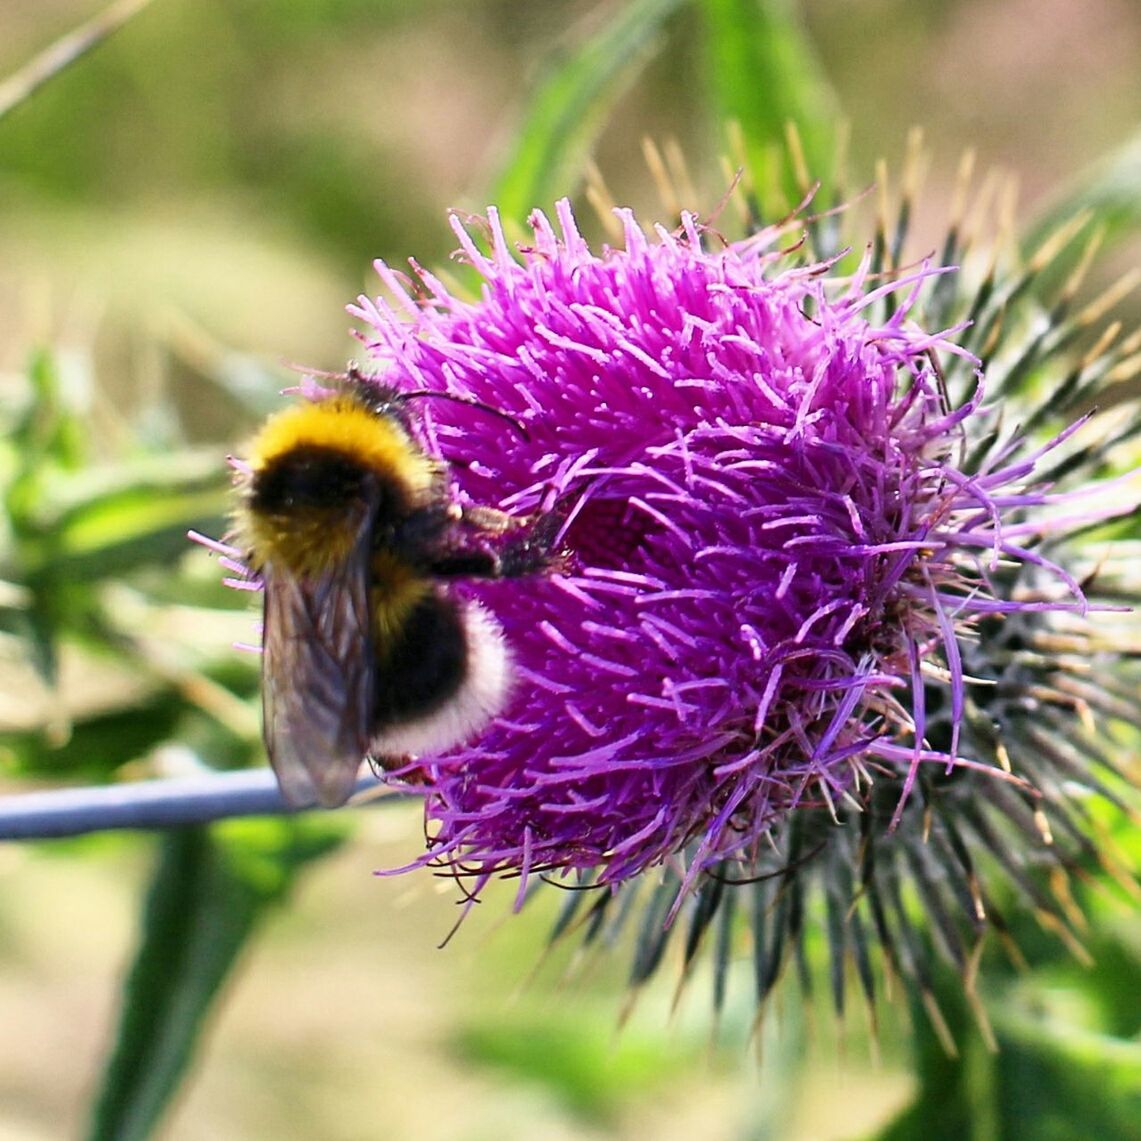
(471, 403)
(364, 383)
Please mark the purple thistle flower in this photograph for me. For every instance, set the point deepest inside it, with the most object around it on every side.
(826, 635)
(787, 533)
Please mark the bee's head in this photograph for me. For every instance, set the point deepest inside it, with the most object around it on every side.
(384, 400)
(321, 470)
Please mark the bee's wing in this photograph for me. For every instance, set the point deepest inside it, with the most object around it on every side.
(317, 679)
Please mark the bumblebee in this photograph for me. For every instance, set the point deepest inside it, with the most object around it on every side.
(366, 652)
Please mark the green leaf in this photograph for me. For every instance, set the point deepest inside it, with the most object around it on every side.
(1057, 1080)
(1110, 189)
(208, 894)
(560, 1053)
(764, 75)
(945, 1106)
(144, 521)
(571, 105)
(1057, 1072)
(96, 745)
(47, 438)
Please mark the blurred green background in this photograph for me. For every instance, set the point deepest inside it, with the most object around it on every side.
(184, 212)
(288, 144)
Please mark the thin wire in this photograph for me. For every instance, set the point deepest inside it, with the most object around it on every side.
(145, 805)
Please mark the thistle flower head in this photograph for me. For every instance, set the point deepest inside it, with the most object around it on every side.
(782, 542)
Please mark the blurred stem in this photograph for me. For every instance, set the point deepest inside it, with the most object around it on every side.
(210, 891)
(764, 76)
(64, 52)
(572, 105)
(154, 804)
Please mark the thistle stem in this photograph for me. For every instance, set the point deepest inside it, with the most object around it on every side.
(64, 52)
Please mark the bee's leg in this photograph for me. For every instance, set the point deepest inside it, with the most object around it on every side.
(534, 550)
(489, 520)
(531, 550)
(466, 564)
(428, 524)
